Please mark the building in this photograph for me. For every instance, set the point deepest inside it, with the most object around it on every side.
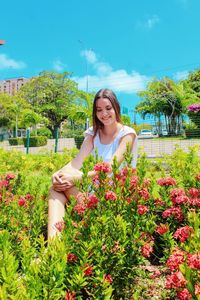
(11, 86)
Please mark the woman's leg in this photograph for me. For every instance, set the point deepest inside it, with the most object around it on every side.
(56, 209)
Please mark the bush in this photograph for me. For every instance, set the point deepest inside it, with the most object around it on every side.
(79, 140)
(43, 131)
(15, 141)
(192, 133)
(36, 141)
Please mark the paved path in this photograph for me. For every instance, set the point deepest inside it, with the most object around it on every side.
(152, 147)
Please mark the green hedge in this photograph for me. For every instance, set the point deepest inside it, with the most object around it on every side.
(36, 141)
(79, 140)
(15, 141)
(192, 133)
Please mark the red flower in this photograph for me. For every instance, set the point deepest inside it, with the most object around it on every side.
(10, 176)
(134, 180)
(194, 260)
(108, 278)
(147, 249)
(183, 233)
(175, 280)
(177, 193)
(88, 270)
(103, 167)
(184, 294)
(159, 202)
(142, 209)
(28, 197)
(70, 296)
(194, 192)
(166, 181)
(92, 201)
(194, 202)
(197, 177)
(109, 195)
(80, 208)
(176, 259)
(144, 193)
(60, 226)
(162, 228)
(71, 257)
(173, 211)
(22, 201)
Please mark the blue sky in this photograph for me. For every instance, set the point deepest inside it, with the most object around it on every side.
(116, 44)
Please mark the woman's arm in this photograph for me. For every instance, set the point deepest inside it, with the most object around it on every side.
(65, 177)
(128, 139)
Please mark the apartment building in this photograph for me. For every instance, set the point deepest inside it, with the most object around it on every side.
(11, 86)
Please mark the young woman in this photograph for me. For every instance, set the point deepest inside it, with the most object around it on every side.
(109, 136)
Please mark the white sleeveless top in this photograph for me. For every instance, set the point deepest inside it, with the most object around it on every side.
(106, 151)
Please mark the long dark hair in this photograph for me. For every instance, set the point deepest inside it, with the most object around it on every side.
(110, 95)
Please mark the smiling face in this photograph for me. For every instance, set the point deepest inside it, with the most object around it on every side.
(105, 111)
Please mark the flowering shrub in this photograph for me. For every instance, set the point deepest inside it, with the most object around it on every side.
(194, 114)
(118, 223)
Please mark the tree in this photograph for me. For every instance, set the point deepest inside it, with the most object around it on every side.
(51, 94)
(12, 108)
(162, 97)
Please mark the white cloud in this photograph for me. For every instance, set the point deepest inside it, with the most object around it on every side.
(89, 55)
(149, 22)
(180, 75)
(58, 65)
(105, 77)
(9, 63)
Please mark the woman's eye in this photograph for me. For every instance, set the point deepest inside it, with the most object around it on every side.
(109, 108)
(98, 110)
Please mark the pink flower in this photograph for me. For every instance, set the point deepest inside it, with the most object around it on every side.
(70, 296)
(92, 201)
(88, 270)
(109, 195)
(71, 257)
(4, 183)
(194, 260)
(175, 280)
(103, 167)
(176, 259)
(108, 278)
(80, 208)
(60, 226)
(159, 202)
(166, 181)
(134, 180)
(22, 201)
(184, 294)
(162, 229)
(142, 209)
(183, 233)
(197, 289)
(147, 249)
(177, 193)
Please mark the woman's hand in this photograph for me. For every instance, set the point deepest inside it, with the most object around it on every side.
(62, 181)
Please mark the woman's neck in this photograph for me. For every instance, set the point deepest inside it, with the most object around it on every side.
(111, 130)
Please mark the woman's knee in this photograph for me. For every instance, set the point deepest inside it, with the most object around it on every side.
(53, 195)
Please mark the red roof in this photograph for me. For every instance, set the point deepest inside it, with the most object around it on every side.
(2, 42)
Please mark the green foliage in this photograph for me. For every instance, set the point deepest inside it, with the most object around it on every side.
(15, 141)
(43, 131)
(51, 94)
(107, 238)
(36, 141)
